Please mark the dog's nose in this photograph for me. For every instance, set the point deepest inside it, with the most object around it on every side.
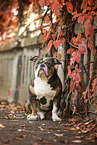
(42, 65)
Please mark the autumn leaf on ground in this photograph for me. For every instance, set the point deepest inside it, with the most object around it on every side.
(58, 134)
(20, 137)
(45, 141)
(76, 141)
(2, 126)
(6, 141)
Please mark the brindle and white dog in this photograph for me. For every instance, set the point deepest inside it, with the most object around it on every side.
(45, 94)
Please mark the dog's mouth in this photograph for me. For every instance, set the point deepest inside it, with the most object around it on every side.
(42, 73)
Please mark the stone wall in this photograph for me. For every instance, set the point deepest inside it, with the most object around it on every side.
(16, 71)
(13, 78)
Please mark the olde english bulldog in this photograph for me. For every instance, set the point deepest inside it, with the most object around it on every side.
(45, 93)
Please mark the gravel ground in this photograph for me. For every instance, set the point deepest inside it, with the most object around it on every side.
(15, 129)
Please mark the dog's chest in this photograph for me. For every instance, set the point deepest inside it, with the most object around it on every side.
(44, 93)
(42, 88)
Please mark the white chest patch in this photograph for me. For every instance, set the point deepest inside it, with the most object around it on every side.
(42, 88)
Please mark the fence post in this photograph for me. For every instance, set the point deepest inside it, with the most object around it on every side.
(14, 79)
(61, 67)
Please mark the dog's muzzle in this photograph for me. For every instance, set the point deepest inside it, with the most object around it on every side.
(42, 70)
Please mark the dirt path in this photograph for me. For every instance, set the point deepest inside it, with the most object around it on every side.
(15, 129)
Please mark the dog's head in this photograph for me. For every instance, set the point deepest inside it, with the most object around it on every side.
(44, 66)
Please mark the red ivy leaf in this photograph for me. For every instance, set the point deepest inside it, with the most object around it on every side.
(41, 2)
(79, 35)
(48, 48)
(94, 51)
(55, 6)
(53, 36)
(61, 2)
(71, 85)
(72, 59)
(60, 34)
(84, 5)
(56, 44)
(69, 51)
(83, 41)
(81, 19)
(82, 49)
(76, 15)
(94, 85)
(77, 59)
(90, 2)
(45, 37)
(74, 53)
(78, 88)
(30, 0)
(78, 42)
(69, 7)
(77, 77)
(69, 71)
(62, 40)
(89, 30)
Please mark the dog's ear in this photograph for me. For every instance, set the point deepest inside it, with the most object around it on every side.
(56, 61)
(34, 58)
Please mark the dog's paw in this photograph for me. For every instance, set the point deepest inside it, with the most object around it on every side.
(32, 117)
(56, 118)
(41, 115)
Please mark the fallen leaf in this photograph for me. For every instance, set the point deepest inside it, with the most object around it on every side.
(58, 134)
(71, 129)
(6, 141)
(79, 136)
(34, 143)
(19, 130)
(8, 118)
(21, 136)
(76, 141)
(2, 126)
(18, 138)
(44, 141)
(40, 128)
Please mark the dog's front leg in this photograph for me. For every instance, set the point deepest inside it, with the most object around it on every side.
(33, 104)
(55, 111)
(40, 112)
